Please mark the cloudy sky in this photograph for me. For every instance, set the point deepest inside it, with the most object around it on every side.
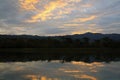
(59, 17)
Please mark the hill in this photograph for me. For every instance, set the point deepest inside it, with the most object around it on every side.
(73, 41)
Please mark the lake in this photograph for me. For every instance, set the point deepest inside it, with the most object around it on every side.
(57, 70)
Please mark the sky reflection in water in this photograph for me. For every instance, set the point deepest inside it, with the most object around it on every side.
(41, 70)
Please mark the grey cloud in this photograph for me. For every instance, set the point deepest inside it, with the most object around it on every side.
(55, 31)
(8, 9)
(12, 20)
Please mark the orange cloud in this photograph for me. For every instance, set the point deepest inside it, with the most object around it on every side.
(36, 77)
(47, 12)
(72, 25)
(28, 4)
(72, 71)
(87, 5)
(74, 0)
(82, 31)
(84, 19)
(88, 77)
(54, 9)
(32, 77)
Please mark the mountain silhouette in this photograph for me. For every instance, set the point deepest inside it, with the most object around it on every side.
(91, 36)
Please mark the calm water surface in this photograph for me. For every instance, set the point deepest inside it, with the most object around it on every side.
(55, 70)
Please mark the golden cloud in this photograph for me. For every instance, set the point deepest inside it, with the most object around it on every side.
(90, 29)
(47, 12)
(54, 9)
(28, 4)
(71, 25)
(88, 77)
(87, 5)
(74, 0)
(36, 77)
(32, 77)
(85, 19)
(82, 31)
(72, 71)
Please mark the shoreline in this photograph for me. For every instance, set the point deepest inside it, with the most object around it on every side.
(61, 50)
(62, 54)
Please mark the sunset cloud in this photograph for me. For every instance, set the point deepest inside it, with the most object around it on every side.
(71, 25)
(47, 12)
(28, 4)
(38, 77)
(54, 9)
(59, 17)
(32, 77)
(87, 5)
(85, 77)
(84, 19)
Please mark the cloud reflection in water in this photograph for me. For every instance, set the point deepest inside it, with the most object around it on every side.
(42, 70)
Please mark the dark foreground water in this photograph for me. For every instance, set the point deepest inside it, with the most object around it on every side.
(55, 70)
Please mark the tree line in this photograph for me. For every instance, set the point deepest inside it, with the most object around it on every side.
(62, 42)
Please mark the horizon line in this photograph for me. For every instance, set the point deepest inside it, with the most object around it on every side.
(55, 35)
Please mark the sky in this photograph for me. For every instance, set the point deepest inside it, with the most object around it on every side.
(59, 17)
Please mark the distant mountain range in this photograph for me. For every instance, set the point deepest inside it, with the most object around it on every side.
(96, 36)
(91, 36)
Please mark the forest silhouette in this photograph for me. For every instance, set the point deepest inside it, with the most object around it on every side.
(27, 41)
